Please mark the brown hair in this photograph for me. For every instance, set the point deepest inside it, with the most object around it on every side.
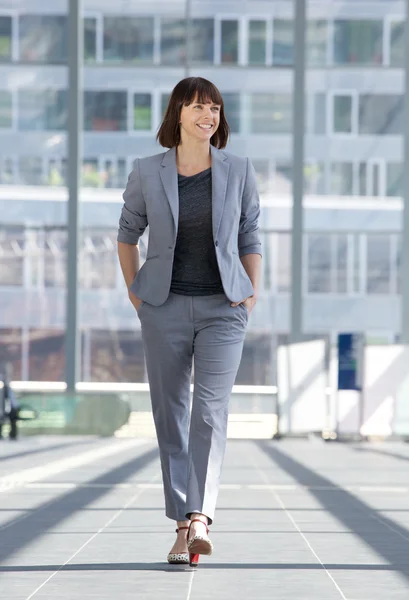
(184, 94)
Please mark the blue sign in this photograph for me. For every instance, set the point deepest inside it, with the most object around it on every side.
(350, 361)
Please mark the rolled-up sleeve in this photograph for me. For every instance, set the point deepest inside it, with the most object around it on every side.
(133, 220)
(249, 241)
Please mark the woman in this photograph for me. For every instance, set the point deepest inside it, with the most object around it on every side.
(193, 295)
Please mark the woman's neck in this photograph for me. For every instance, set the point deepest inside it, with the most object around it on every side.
(193, 158)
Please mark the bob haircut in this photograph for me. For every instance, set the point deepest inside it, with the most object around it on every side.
(183, 94)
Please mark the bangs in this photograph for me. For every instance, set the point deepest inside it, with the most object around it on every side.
(203, 90)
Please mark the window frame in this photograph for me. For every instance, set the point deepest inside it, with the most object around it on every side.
(390, 20)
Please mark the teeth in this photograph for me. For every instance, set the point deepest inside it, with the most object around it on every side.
(205, 126)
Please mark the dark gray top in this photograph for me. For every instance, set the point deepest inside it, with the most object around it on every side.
(195, 269)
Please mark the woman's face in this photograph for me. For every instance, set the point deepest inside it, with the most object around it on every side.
(199, 121)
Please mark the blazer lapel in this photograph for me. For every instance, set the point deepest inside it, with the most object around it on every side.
(169, 176)
(220, 174)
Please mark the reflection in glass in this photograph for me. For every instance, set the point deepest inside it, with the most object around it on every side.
(342, 114)
(142, 112)
(91, 177)
(202, 48)
(397, 44)
(257, 42)
(116, 356)
(341, 180)
(358, 42)
(230, 42)
(6, 110)
(42, 110)
(5, 39)
(320, 114)
(341, 242)
(46, 355)
(319, 264)
(378, 264)
(43, 38)
(381, 114)
(271, 113)
(11, 350)
(317, 42)
(105, 111)
(98, 260)
(31, 170)
(232, 110)
(12, 245)
(394, 179)
(283, 42)
(283, 263)
(128, 39)
(173, 41)
(90, 39)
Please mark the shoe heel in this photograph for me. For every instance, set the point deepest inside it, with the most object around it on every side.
(193, 559)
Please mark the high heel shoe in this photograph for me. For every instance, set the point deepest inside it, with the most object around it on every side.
(182, 558)
(198, 545)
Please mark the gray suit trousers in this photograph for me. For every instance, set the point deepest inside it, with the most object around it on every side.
(192, 439)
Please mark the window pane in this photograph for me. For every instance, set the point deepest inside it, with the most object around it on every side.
(283, 42)
(342, 114)
(232, 110)
(319, 264)
(90, 40)
(31, 170)
(46, 355)
(43, 39)
(5, 39)
(271, 113)
(314, 178)
(230, 41)
(284, 263)
(257, 42)
(11, 256)
(7, 171)
(173, 41)
(320, 114)
(202, 47)
(11, 351)
(42, 110)
(378, 264)
(105, 111)
(358, 42)
(98, 261)
(91, 177)
(394, 179)
(341, 181)
(317, 33)
(397, 47)
(142, 104)
(164, 101)
(342, 263)
(381, 114)
(117, 356)
(6, 116)
(129, 39)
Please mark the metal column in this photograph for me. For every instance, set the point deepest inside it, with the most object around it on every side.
(298, 169)
(75, 124)
(405, 216)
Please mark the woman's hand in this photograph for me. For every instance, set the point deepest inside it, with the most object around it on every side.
(135, 300)
(249, 303)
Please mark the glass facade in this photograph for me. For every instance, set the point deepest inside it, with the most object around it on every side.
(132, 59)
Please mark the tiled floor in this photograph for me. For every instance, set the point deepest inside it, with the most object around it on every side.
(83, 518)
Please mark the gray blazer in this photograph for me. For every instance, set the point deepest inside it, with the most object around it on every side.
(152, 198)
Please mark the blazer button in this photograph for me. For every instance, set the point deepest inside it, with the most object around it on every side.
(170, 247)
(216, 243)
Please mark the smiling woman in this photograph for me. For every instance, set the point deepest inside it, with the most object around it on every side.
(193, 295)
